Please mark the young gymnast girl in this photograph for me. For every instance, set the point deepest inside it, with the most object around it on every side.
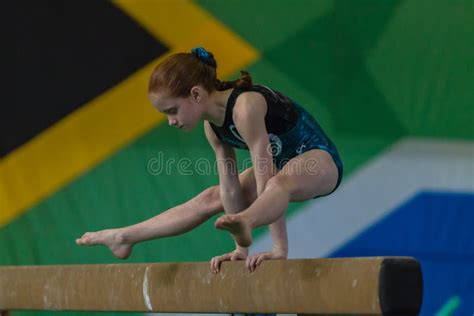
(292, 158)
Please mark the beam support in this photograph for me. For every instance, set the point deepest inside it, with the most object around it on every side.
(369, 286)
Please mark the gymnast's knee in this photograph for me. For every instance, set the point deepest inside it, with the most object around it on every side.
(279, 181)
(210, 201)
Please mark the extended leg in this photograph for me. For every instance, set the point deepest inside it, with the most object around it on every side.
(175, 221)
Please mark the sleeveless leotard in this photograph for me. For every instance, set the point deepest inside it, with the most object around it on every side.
(291, 129)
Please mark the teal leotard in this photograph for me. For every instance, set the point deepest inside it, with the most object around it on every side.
(291, 129)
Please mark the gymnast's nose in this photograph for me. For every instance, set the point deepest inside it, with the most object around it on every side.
(172, 121)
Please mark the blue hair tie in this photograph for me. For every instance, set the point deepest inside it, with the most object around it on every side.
(202, 54)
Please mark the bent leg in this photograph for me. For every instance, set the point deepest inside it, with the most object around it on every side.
(303, 177)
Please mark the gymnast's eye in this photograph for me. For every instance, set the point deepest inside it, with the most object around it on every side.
(171, 111)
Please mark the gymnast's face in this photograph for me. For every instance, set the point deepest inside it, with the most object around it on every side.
(182, 112)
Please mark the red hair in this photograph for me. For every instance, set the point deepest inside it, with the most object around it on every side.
(178, 73)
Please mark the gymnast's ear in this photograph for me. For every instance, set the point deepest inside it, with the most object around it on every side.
(196, 93)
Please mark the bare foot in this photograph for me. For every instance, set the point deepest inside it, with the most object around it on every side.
(110, 238)
(237, 227)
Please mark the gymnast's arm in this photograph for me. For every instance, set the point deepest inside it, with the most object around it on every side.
(249, 118)
(229, 184)
(230, 189)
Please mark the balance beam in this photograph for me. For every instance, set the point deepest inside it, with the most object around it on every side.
(369, 286)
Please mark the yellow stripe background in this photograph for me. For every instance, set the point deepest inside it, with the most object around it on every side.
(112, 120)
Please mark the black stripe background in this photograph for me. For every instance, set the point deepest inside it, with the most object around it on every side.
(65, 54)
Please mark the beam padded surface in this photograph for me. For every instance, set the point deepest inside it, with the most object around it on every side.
(371, 286)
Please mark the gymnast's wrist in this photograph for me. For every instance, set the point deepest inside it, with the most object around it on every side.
(243, 250)
(281, 250)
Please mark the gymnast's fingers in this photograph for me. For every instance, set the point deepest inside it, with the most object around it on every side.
(213, 264)
(252, 263)
(261, 259)
(216, 262)
(247, 262)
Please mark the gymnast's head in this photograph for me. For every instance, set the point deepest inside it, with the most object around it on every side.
(183, 85)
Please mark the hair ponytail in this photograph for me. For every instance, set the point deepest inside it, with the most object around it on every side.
(245, 80)
(177, 74)
(206, 57)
